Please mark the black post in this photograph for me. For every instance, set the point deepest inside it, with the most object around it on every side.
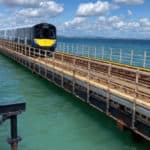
(10, 111)
(13, 141)
(13, 123)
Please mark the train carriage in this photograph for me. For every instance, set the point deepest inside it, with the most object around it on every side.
(41, 35)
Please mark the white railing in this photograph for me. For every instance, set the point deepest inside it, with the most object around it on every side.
(130, 57)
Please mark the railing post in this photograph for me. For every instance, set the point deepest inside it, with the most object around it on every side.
(88, 82)
(62, 76)
(110, 57)
(25, 42)
(74, 71)
(53, 60)
(72, 49)
(88, 53)
(77, 50)
(144, 59)
(108, 85)
(82, 50)
(131, 57)
(39, 55)
(102, 53)
(120, 56)
(21, 49)
(67, 48)
(57, 47)
(25, 47)
(45, 54)
(34, 52)
(62, 46)
(18, 40)
(135, 97)
(95, 53)
(29, 52)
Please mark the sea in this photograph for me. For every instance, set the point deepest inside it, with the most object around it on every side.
(134, 52)
(55, 119)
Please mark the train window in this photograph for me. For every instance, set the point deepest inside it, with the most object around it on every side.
(137, 113)
(128, 109)
(45, 33)
(143, 116)
(122, 107)
(115, 102)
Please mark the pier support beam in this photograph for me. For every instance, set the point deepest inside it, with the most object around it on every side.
(10, 111)
(15, 139)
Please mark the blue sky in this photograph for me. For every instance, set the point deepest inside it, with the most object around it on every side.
(98, 18)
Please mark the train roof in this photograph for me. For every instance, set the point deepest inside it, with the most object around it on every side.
(42, 24)
(30, 26)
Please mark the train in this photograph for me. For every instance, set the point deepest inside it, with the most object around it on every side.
(41, 36)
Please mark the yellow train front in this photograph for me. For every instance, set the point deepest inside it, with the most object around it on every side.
(44, 36)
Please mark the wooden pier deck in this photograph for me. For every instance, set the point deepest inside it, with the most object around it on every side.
(122, 92)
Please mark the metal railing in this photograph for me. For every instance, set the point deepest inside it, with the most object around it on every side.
(130, 57)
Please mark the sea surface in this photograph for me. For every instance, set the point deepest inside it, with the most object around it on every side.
(126, 44)
(54, 119)
(133, 52)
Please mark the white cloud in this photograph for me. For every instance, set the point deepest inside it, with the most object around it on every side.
(126, 26)
(25, 3)
(49, 8)
(130, 2)
(30, 12)
(52, 7)
(1, 15)
(132, 25)
(76, 22)
(113, 19)
(122, 24)
(95, 9)
(102, 19)
(145, 22)
(102, 24)
(130, 13)
(28, 16)
(116, 22)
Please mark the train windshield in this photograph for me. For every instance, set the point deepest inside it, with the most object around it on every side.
(45, 32)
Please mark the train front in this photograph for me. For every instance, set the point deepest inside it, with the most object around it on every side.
(44, 36)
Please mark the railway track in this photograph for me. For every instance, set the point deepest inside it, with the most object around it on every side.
(131, 81)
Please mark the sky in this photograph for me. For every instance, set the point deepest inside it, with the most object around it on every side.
(90, 18)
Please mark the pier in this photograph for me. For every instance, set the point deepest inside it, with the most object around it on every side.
(120, 91)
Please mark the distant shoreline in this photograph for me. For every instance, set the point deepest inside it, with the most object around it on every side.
(103, 38)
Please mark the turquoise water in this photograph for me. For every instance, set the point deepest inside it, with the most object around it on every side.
(55, 119)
